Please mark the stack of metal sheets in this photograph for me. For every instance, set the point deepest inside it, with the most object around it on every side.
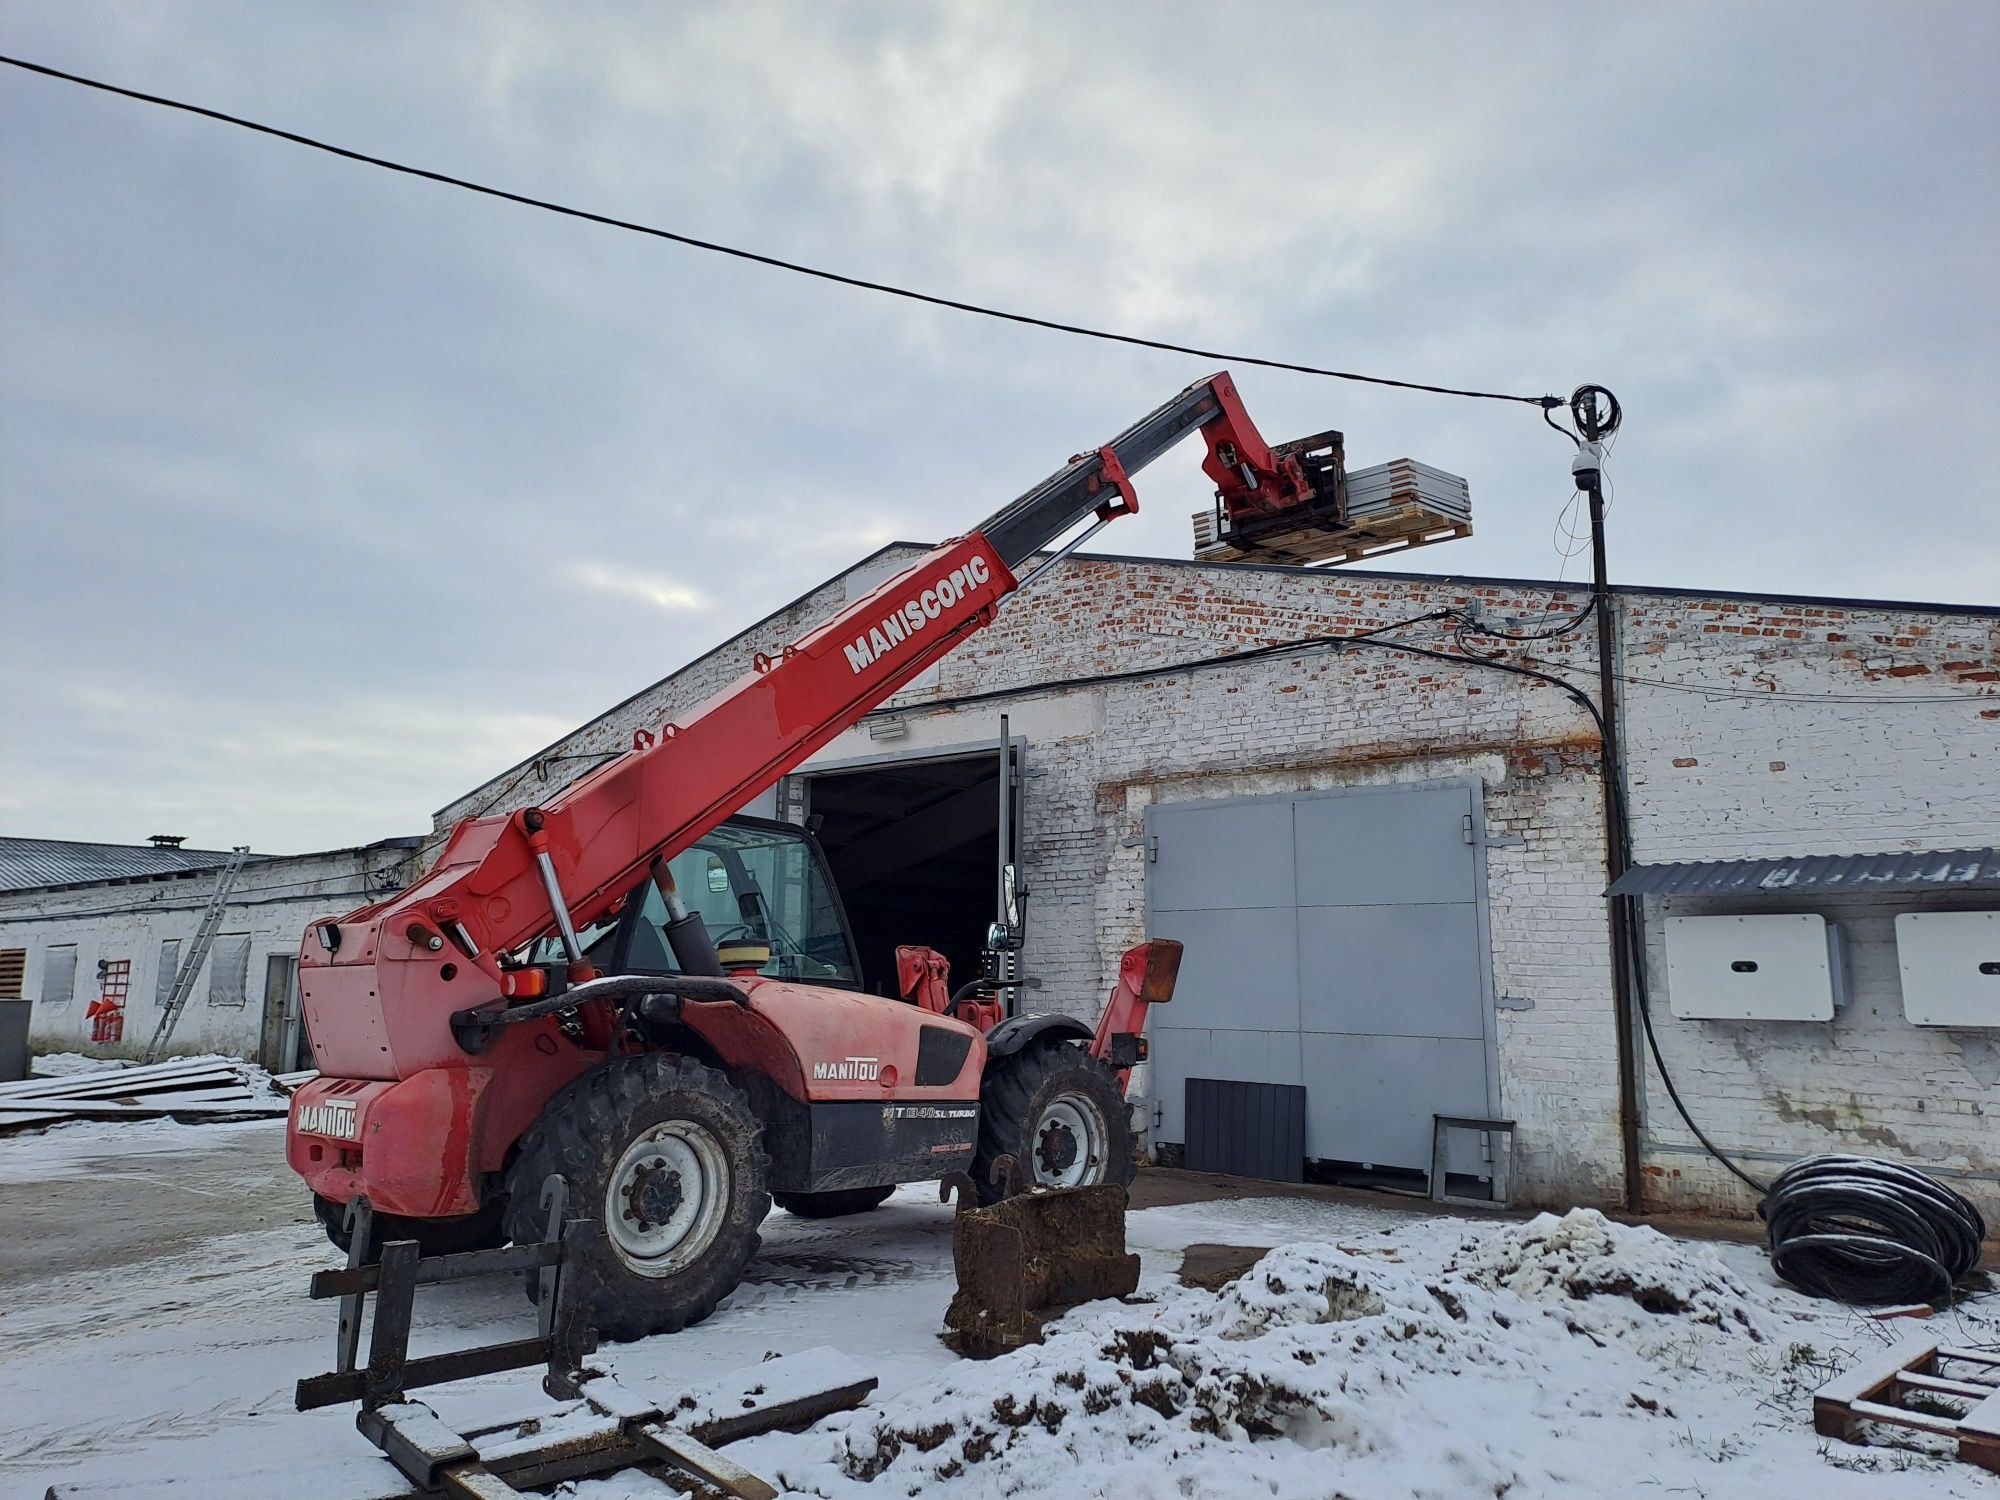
(1388, 488)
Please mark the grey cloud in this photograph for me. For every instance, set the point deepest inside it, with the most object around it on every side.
(303, 463)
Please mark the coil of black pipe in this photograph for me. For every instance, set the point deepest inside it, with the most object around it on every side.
(1869, 1232)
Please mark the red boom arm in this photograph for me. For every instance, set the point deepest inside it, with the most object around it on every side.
(489, 892)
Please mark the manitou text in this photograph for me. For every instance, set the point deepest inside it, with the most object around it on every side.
(336, 1119)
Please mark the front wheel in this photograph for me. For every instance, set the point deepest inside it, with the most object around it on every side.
(667, 1156)
(1058, 1112)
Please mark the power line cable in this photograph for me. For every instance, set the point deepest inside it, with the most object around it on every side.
(1778, 695)
(758, 258)
(1879, 700)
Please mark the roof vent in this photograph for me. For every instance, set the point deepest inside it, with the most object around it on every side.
(166, 840)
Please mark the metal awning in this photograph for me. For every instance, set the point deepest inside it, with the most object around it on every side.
(1911, 870)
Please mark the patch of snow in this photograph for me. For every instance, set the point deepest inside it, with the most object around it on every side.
(1563, 1357)
(71, 1064)
(68, 1146)
(1376, 1354)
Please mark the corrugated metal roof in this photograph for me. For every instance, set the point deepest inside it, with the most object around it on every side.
(26, 864)
(1819, 874)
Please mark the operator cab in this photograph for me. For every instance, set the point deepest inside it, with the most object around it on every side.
(752, 881)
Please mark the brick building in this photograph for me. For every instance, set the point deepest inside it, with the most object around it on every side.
(73, 915)
(1390, 868)
(1388, 862)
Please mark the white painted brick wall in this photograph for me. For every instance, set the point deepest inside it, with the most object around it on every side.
(272, 902)
(1864, 760)
(1812, 774)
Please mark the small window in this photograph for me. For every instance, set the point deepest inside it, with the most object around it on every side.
(59, 974)
(170, 968)
(13, 973)
(229, 971)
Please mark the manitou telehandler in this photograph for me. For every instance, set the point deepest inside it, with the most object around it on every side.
(659, 1001)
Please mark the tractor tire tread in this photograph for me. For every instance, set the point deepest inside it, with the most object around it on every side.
(1007, 1104)
(576, 1129)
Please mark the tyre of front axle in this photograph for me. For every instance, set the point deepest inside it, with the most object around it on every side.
(834, 1205)
(1058, 1112)
(667, 1156)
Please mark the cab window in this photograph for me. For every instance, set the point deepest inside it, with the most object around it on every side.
(763, 884)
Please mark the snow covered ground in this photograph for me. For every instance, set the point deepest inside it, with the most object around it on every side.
(1379, 1355)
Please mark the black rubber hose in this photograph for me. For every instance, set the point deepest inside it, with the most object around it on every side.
(1869, 1232)
(475, 1027)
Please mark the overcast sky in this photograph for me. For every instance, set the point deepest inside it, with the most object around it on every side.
(329, 493)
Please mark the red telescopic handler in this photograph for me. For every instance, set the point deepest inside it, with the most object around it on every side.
(658, 1001)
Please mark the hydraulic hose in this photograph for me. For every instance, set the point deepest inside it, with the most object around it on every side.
(1869, 1232)
(474, 1028)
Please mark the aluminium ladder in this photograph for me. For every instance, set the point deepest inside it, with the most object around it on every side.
(204, 938)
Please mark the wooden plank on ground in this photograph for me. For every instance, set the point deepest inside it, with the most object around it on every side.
(1979, 1434)
(702, 1461)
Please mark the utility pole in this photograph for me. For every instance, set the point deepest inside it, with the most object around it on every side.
(1597, 415)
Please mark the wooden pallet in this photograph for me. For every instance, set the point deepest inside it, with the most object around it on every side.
(1389, 531)
(610, 1428)
(614, 1428)
(1877, 1389)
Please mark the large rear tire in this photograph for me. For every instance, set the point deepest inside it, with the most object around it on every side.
(834, 1205)
(667, 1156)
(1057, 1111)
(481, 1231)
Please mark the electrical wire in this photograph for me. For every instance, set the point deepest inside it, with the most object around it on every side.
(1868, 1232)
(1706, 690)
(1472, 626)
(373, 889)
(1642, 993)
(774, 262)
(1882, 700)
(1827, 1257)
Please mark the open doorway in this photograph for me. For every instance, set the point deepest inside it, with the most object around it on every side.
(915, 847)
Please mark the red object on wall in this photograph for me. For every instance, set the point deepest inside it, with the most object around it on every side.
(106, 1013)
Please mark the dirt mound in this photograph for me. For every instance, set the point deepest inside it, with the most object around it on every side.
(1294, 1349)
(1582, 1255)
(1422, 1364)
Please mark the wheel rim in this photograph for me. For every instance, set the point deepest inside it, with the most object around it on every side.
(1068, 1149)
(667, 1198)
